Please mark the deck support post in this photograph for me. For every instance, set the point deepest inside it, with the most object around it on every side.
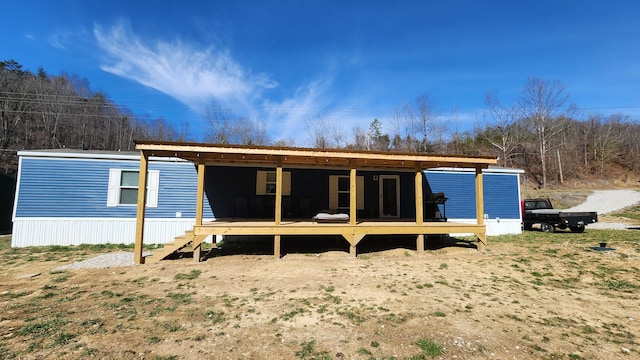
(353, 240)
(197, 250)
(276, 246)
(353, 191)
(420, 243)
(278, 199)
(482, 238)
(278, 209)
(140, 212)
(419, 207)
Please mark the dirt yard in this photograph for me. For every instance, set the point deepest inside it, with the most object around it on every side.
(533, 296)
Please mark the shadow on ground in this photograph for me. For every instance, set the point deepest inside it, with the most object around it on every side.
(263, 245)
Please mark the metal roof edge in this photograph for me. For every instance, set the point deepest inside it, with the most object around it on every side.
(489, 170)
(91, 154)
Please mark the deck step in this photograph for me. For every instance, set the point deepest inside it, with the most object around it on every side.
(178, 243)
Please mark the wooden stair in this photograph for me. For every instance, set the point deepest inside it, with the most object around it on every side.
(179, 243)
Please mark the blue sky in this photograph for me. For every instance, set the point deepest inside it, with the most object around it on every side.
(287, 62)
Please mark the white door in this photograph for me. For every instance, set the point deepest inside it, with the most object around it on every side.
(389, 196)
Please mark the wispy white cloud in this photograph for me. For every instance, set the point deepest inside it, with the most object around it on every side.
(291, 115)
(311, 104)
(179, 69)
(59, 40)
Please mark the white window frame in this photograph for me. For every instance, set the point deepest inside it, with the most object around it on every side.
(334, 192)
(262, 183)
(114, 189)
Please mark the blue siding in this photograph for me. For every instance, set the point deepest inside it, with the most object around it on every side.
(500, 194)
(53, 187)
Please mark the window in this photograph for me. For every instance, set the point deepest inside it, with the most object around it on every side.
(343, 192)
(266, 183)
(340, 194)
(123, 187)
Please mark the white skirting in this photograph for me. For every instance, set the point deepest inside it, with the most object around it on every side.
(495, 226)
(76, 231)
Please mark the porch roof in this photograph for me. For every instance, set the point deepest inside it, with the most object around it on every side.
(251, 155)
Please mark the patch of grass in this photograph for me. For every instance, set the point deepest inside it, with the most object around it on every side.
(289, 315)
(60, 279)
(190, 276)
(309, 352)
(429, 347)
(439, 314)
(632, 212)
(215, 316)
(167, 357)
(620, 285)
(153, 340)
(397, 319)
(588, 329)
(11, 295)
(63, 339)
(171, 326)
(180, 298)
(42, 328)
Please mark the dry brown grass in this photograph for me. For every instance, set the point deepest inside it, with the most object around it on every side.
(528, 297)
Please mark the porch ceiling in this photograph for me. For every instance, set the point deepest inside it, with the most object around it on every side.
(214, 154)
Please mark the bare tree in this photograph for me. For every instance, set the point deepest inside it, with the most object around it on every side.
(323, 133)
(505, 134)
(403, 139)
(219, 121)
(424, 121)
(360, 139)
(544, 103)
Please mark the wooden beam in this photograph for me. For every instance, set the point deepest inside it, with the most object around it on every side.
(419, 196)
(278, 205)
(200, 194)
(276, 246)
(420, 243)
(140, 212)
(267, 155)
(197, 250)
(419, 207)
(482, 240)
(353, 192)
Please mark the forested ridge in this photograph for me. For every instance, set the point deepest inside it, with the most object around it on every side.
(542, 132)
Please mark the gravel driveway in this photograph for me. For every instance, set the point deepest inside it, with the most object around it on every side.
(607, 201)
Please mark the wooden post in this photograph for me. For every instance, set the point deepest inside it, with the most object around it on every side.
(482, 240)
(276, 246)
(419, 207)
(197, 250)
(140, 212)
(419, 196)
(353, 192)
(278, 205)
(278, 209)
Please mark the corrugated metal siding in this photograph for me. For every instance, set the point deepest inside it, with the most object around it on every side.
(51, 187)
(76, 231)
(500, 194)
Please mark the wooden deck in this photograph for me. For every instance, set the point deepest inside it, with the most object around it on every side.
(277, 158)
(353, 233)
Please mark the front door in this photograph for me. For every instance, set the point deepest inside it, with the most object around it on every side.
(389, 196)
